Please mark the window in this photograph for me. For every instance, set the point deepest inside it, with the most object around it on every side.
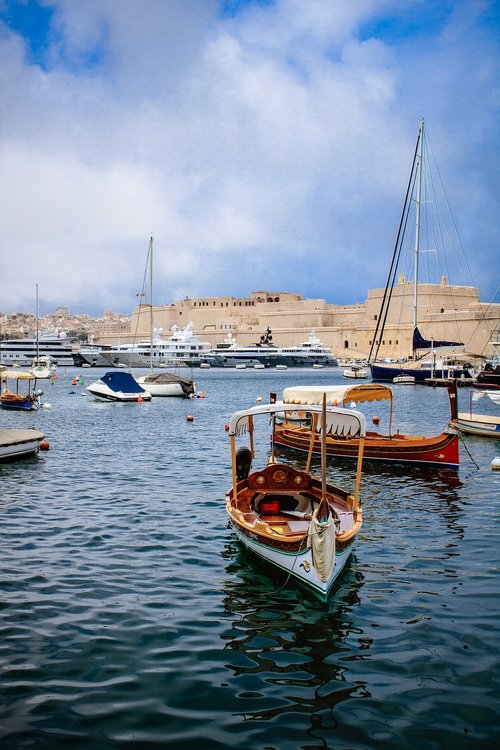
(346, 344)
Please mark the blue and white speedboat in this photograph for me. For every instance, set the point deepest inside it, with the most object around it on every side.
(118, 386)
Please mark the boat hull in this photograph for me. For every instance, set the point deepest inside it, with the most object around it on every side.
(19, 404)
(297, 564)
(386, 373)
(479, 424)
(19, 443)
(106, 394)
(441, 450)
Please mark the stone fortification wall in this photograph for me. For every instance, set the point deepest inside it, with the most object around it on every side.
(447, 312)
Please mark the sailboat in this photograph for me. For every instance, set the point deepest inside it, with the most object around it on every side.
(41, 367)
(162, 383)
(427, 365)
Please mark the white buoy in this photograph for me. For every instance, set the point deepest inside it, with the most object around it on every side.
(495, 464)
(46, 406)
(258, 399)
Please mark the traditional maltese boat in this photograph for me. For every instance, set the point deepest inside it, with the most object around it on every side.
(296, 431)
(14, 395)
(288, 518)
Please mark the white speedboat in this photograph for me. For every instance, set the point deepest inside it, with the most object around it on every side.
(355, 372)
(118, 386)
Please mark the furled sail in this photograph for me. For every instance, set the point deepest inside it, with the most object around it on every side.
(420, 343)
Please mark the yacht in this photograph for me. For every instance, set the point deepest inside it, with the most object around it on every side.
(90, 355)
(55, 346)
(264, 353)
(182, 348)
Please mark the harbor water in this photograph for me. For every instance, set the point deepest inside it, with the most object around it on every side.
(131, 618)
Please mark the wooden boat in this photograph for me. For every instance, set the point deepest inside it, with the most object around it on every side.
(17, 443)
(485, 425)
(288, 518)
(13, 397)
(440, 450)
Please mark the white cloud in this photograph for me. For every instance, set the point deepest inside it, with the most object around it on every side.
(277, 142)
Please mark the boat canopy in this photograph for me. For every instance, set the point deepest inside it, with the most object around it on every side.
(344, 422)
(336, 394)
(122, 381)
(18, 375)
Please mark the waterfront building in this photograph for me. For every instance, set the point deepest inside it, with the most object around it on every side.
(448, 312)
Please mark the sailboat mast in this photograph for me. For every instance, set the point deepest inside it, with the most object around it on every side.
(151, 301)
(417, 220)
(37, 331)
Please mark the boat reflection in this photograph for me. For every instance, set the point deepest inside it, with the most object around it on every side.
(286, 637)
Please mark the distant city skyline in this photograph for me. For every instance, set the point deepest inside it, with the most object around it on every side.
(263, 143)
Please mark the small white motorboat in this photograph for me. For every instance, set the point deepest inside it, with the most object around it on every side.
(404, 380)
(485, 425)
(282, 367)
(167, 384)
(118, 386)
(355, 372)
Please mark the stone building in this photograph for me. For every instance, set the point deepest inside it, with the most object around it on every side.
(445, 312)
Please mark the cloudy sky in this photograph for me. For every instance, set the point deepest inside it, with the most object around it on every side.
(265, 144)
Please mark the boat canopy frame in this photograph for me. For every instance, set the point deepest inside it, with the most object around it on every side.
(331, 420)
(339, 395)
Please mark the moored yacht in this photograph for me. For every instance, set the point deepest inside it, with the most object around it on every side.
(182, 348)
(264, 353)
(56, 346)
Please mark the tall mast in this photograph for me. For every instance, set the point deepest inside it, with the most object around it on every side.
(417, 220)
(37, 334)
(151, 300)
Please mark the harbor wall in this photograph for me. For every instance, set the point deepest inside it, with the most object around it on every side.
(446, 312)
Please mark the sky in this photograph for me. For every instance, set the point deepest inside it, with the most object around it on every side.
(264, 144)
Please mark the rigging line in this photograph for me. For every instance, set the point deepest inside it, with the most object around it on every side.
(401, 235)
(468, 451)
(451, 215)
(398, 236)
(482, 320)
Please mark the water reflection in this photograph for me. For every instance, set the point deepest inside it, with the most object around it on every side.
(285, 638)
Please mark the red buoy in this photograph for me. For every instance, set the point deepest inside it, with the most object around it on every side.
(44, 445)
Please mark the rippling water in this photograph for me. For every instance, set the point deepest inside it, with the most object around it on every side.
(130, 617)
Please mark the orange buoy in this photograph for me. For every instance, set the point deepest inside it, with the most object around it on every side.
(376, 420)
(140, 400)
(44, 445)
(190, 418)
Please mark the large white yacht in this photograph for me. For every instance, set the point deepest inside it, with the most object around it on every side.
(266, 354)
(182, 348)
(21, 352)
